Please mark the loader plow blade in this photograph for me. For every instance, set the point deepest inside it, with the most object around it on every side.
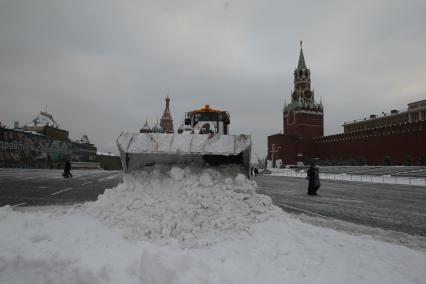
(138, 150)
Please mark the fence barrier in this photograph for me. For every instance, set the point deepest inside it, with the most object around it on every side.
(361, 178)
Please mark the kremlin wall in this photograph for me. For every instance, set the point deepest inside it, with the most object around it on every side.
(398, 144)
(396, 138)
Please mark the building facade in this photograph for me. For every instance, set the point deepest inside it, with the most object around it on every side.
(42, 144)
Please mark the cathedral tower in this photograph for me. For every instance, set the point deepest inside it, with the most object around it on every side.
(166, 121)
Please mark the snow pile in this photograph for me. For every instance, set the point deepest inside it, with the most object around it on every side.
(190, 206)
(45, 245)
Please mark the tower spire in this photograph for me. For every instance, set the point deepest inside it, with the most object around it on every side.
(301, 64)
(166, 121)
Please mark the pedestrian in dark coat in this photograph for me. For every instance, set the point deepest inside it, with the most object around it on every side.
(256, 172)
(317, 182)
(311, 178)
(67, 169)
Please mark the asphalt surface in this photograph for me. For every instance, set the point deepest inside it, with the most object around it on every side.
(400, 208)
(27, 187)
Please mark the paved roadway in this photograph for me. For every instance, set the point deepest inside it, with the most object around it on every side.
(28, 187)
(395, 207)
(391, 207)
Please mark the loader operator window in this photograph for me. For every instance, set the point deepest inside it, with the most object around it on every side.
(215, 119)
(211, 116)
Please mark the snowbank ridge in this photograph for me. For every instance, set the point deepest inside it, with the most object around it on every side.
(190, 206)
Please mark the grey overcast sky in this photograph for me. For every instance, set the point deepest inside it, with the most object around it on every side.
(102, 66)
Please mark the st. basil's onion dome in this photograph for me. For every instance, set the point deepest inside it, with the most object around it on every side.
(181, 128)
(145, 128)
(157, 128)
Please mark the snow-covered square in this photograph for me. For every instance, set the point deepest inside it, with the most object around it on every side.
(188, 225)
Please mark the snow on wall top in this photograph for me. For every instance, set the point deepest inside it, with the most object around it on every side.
(84, 139)
(183, 144)
(43, 119)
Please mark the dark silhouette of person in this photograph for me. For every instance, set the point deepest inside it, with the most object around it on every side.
(317, 182)
(67, 169)
(313, 178)
(256, 172)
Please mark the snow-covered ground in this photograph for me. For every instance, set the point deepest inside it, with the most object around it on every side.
(190, 226)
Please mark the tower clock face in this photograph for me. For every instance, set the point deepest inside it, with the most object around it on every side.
(307, 95)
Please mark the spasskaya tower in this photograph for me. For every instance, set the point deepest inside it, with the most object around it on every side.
(303, 119)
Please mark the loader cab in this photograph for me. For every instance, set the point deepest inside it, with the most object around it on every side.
(215, 121)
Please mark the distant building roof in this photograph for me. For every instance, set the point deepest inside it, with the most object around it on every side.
(84, 139)
(43, 119)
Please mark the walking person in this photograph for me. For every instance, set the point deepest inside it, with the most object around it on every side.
(256, 172)
(67, 169)
(317, 183)
(311, 177)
